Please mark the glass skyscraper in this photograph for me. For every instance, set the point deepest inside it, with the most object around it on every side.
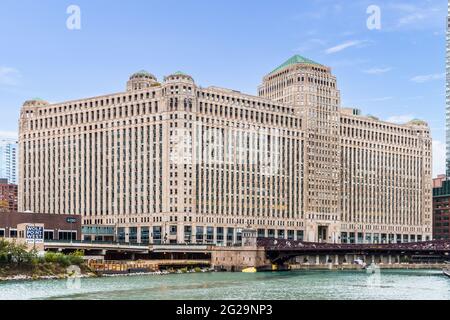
(448, 91)
(8, 160)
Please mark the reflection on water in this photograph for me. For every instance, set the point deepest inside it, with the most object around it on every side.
(416, 284)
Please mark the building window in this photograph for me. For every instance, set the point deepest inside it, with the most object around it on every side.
(121, 234)
(157, 235)
(219, 235)
(187, 234)
(145, 235)
(261, 233)
(290, 234)
(230, 236)
(67, 235)
(13, 233)
(49, 235)
(133, 235)
(210, 234)
(199, 235)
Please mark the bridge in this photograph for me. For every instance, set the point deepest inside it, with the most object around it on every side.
(265, 252)
(115, 250)
(95, 246)
(279, 250)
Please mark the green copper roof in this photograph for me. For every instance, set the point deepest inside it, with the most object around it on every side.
(418, 122)
(180, 73)
(297, 59)
(142, 73)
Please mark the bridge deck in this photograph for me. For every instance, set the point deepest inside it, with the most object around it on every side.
(299, 246)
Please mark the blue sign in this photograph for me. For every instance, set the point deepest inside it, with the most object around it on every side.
(35, 234)
(71, 220)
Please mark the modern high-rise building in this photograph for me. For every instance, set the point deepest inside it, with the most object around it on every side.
(448, 91)
(8, 160)
(175, 162)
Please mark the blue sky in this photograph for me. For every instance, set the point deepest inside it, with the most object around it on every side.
(395, 73)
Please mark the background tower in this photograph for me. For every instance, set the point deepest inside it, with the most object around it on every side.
(448, 91)
(8, 160)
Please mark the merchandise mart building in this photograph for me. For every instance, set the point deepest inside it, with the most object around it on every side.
(173, 162)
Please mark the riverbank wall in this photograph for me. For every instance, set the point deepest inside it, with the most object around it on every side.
(396, 266)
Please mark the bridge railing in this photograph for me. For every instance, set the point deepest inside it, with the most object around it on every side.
(132, 244)
(282, 244)
(96, 243)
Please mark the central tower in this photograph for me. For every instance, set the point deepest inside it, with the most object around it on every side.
(311, 89)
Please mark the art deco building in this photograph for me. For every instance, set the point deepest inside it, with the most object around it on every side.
(174, 162)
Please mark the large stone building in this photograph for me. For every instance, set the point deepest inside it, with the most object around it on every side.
(175, 162)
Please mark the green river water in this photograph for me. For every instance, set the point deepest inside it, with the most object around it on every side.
(301, 285)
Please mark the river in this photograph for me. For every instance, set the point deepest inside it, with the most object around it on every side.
(298, 285)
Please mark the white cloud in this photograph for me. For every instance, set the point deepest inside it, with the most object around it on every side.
(438, 158)
(345, 45)
(310, 44)
(9, 76)
(424, 15)
(8, 135)
(377, 71)
(381, 99)
(401, 119)
(428, 77)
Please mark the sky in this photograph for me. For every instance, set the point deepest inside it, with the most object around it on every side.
(395, 72)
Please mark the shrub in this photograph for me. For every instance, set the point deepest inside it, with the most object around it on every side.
(51, 257)
(76, 258)
(11, 252)
(63, 260)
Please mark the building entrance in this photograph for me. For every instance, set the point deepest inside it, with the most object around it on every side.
(323, 233)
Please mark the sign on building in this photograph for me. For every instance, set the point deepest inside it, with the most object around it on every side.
(34, 234)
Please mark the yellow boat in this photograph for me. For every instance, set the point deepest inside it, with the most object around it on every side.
(250, 270)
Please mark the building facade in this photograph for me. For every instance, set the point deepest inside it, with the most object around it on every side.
(8, 196)
(448, 91)
(8, 160)
(56, 227)
(175, 162)
(441, 208)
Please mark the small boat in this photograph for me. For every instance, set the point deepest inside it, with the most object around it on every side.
(250, 270)
(446, 270)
